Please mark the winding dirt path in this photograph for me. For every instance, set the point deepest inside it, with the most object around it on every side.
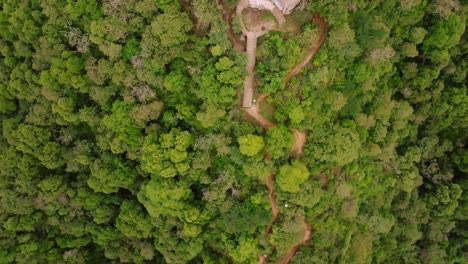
(228, 12)
(255, 113)
(297, 148)
(300, 136)
(275, 211)
(300, 140)
(292, 251)
(323, 24)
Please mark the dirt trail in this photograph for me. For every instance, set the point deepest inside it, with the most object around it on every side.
(228, 12)
(255, 110)
(255, 113)
(300, 140)
(324, 179)
(323, 24)
(306, 236)
(297, 148)
(272, 197)
(300, 136)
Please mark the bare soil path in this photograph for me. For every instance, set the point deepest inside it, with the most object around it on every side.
(323, 24)
(271, 196)
(306, 236)
(297, 148)
(228, 12)
(255, 113)
(300, 136)
(300, 140)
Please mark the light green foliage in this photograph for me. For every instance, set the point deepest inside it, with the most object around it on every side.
(170, 156)
(164, 197)
(445, 200)
(257, 168)
(218, 84)
(339, 145)
(279, 141)
(170, 28)
(132, 220)
(122, 140)
(30, 138)
(216, 51)
(111, 29)
(291, 176)
(287, 233)
(251, 145)
(65, 108)
(120, 134)
(211, 115)
(297, 115)
(51, 155)
(245, 251)
(444, 34)
(164, 39)
(109, 174)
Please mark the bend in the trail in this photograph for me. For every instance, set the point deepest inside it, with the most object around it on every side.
(323, 24)
(271, 196)
(300, 136)
(228, 12)
(292, 251)
(300, 140)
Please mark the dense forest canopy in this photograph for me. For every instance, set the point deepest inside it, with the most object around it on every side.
(122, 139)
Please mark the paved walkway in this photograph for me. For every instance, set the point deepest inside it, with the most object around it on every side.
(252, 34)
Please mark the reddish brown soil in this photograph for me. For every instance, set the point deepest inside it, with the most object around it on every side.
(275, 211)
(300, 140)
(323, 24)
(255, 113)
(337, 170)
(228, 12)
(324, 179)
(272, 197)
(300, 136)
(306, 236)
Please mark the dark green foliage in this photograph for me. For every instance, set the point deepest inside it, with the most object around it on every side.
(279, 141)
(245, 219)
(122, 142)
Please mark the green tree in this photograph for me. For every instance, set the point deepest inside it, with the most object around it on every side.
(133, 221)
(279, 141)
(165, 197)
(118, 131)
(164, 39)
(109, 173)
(291, 176)
(251, 145)
(245, 219)
(339, 145)
(168, 158)
(297, 115)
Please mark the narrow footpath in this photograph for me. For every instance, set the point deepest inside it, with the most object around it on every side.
(297, 149)
(254, 112)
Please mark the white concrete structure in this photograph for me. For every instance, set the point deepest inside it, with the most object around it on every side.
(261, 4)
(286, 6)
